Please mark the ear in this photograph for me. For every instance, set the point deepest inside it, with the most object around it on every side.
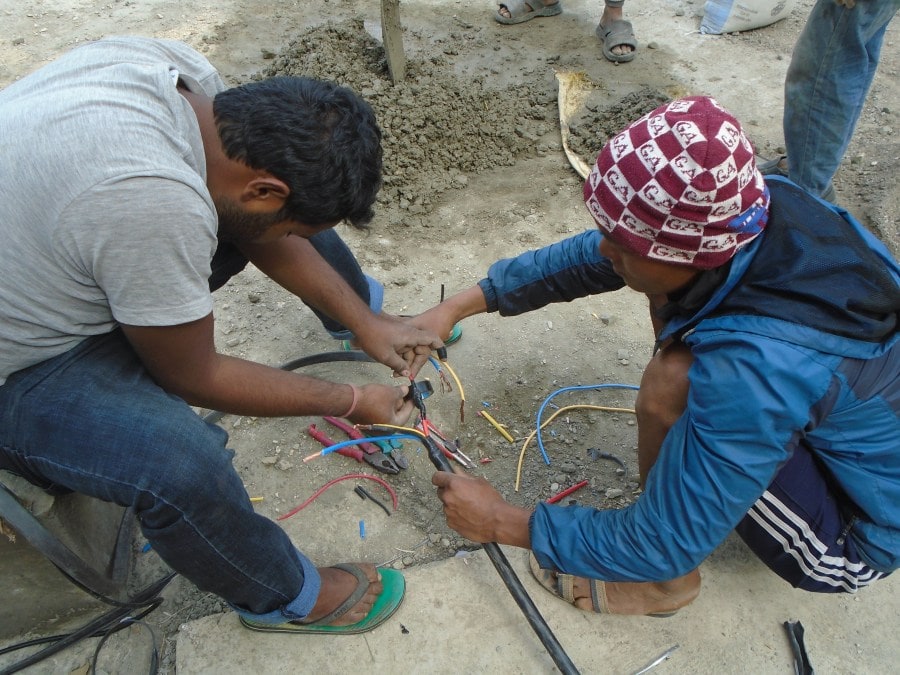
(265, 192)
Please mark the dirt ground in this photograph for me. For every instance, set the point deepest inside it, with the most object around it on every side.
(474, 172)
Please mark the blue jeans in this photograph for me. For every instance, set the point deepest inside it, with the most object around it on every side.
(228, 261)
(92, 421)
(831, 70)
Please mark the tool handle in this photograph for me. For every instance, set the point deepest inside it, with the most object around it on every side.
(353, 453)
(319, 435)
(323, 438)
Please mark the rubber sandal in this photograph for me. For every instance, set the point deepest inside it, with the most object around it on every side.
(779, 166)
(519, 11)
(618, 33)
(394, 588)
(455, 335)
(563, 586)
(773, 167)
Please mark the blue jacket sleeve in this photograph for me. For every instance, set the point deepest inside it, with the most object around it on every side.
(749, 401)
(569, 269)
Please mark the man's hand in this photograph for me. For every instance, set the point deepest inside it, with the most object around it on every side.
(478, 512)
(441, 318)
(381, 404)
(293, 263)
(399, 345)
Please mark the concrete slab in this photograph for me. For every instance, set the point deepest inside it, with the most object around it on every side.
(459, 617)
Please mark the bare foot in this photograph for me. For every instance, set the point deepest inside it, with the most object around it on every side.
(337, 586)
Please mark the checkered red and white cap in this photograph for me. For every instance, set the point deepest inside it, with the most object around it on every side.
(679, 185)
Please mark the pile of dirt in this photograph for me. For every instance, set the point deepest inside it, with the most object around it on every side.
(437, 129)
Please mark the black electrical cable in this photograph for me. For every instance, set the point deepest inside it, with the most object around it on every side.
(154, 654)
(104, 625)
(515, 587)
(118, 618)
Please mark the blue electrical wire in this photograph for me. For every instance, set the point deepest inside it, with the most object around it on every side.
(367, 439)
(578, 387)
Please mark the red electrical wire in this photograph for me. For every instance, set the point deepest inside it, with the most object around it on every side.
(338, 480)
(565, 493)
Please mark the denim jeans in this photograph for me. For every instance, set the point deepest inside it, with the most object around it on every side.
(831, 70)
(92, 421)
(228, 261)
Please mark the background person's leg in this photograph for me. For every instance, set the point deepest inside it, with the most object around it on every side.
(831, 70)
(92, 421)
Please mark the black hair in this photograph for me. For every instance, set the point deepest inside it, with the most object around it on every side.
(318, 137)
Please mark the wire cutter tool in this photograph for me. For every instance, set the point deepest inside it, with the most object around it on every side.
(363, 452)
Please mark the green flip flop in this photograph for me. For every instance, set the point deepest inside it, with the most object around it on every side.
(394, 588)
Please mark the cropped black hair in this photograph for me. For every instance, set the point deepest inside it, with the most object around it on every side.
(318, 137)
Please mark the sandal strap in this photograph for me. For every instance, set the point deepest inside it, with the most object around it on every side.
(565, 584)
(517, 7)
(598, 596)
(362, 586)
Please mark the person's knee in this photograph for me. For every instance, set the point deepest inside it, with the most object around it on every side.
(664, 386)
(194, 473)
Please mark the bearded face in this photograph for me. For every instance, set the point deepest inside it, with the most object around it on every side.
(239, 226)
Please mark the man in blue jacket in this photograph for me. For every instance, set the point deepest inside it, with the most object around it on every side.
(770, 406)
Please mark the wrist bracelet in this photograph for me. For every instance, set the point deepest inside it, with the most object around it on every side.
(354, 402)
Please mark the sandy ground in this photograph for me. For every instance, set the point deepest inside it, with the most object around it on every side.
(474, 172)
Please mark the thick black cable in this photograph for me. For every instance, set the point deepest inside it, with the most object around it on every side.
(515, 587)
(127, 622)
(100, 627)
(105, 624)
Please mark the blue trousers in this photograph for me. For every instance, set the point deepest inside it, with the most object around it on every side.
(92, 421)
(831, 70)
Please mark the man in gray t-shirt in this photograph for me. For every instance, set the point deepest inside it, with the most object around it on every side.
(133, 182)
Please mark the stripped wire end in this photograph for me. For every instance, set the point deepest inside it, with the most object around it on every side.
(462, 393)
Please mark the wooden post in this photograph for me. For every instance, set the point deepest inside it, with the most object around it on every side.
(392, 38)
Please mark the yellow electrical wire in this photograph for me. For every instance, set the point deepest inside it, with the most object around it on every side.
(462, 393)
(397, 427)
(581, 406)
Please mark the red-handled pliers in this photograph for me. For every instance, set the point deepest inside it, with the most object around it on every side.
(377, 459)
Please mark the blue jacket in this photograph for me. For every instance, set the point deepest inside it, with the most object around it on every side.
(794, 341)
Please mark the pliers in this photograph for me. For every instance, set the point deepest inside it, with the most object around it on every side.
(363, 452)
(418, 392)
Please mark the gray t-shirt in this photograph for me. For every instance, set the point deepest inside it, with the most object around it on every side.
(105, 216)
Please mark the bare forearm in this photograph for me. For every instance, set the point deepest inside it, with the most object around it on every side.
(466, 303)
(478, 512)
(245, 388)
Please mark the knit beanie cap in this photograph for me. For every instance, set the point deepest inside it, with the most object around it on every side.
(679, 185)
